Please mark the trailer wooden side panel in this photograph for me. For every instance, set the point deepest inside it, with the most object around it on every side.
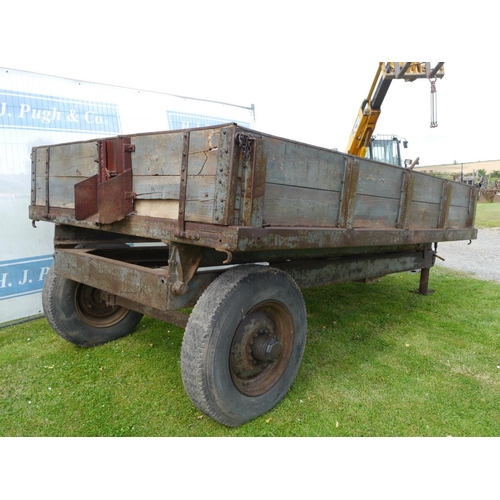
(234, 177)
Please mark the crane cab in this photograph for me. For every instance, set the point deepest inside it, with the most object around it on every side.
(386, 148)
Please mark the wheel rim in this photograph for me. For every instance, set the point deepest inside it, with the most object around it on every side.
(261, 348)
(93, 309)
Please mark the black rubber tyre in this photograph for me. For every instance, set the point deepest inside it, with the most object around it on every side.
(243, 343)
(77, 313)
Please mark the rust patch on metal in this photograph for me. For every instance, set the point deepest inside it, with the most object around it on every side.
(444, 207)
(183, 263)
(181, 218)
(348, 193)
(405, 200)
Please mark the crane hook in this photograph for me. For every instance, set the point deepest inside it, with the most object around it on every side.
(433, 103)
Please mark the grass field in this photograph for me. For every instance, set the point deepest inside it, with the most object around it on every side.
(488, 215)
(380, 361)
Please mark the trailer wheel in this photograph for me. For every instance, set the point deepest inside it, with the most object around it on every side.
(80, 316)
(243, 343)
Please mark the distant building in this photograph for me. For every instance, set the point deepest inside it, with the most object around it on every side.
(467, 169)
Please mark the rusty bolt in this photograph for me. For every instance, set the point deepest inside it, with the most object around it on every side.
(179, 288)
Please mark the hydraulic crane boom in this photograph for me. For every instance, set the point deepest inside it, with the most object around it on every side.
(370, 109)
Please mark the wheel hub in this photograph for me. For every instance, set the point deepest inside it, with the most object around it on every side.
(248, 351)
(258, 356)
(266, 348)
(92, 309)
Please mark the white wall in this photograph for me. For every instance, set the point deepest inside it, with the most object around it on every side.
(39, 109)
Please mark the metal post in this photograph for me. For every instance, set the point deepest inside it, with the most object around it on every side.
(424, 282)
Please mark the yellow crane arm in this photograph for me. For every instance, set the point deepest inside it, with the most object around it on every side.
(370, 109)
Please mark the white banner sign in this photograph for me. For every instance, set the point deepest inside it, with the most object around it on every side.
(39, 109)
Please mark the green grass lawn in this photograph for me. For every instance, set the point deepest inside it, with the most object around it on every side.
(379, 361)
(488, 215)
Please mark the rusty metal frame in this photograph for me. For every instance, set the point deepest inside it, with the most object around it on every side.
(310, 273)
(245, 239)
(252, 173)
(115, 277)
(183, 262)
(275, 238)
(135, 286)
(225, 180)
(47, 182)
(181, 219)
(155, 291)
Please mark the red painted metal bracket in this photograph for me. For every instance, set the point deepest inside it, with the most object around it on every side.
(107, 197)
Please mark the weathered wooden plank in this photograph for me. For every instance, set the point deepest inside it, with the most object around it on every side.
(378, 180)
(61, 191)
(157, 154)
(74, 160)
(196, 210)
(166, 187)
(293, 164)
(164, 209)
(199, 211)
(461, 194)
(374, 212)
(427, 189)
(423, 215)
(39, 183)
(162, 187)
(204, 151)
(161, 154)
(294, 206)
(199, 189)
(458, 216)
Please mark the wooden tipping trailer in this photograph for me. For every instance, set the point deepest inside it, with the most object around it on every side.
(233, 223)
